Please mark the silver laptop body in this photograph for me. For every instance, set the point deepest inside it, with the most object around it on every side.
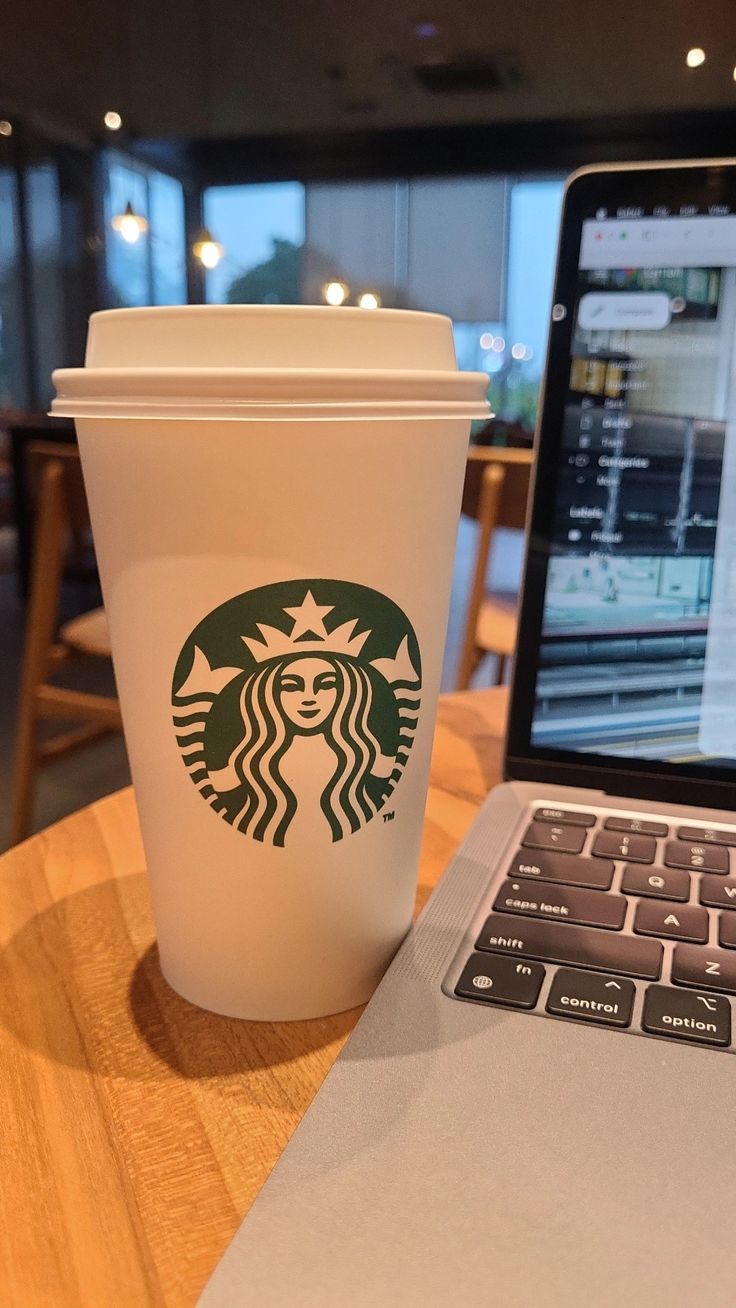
(538, 1106)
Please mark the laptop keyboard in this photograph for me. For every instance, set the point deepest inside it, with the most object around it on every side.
(616, 920)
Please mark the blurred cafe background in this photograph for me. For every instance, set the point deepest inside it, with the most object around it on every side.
(395, 154)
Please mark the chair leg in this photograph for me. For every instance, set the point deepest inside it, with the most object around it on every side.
(470, 659)
(40, 622)
(24, 778)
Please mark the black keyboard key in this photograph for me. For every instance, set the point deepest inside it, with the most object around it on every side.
(687, 1015)
(709, 969)
(727, 931)
(591, 998)
(655, 882)
(501, 981)
(569, 816)
(641, 826)
(562, 904)
(635, 849)
(698, 857)
(571, 870)
(673, 921)
(718, 892)
(555, 942)
(707, 835)
(546, 835)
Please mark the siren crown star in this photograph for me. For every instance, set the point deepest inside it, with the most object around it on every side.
(309, 617)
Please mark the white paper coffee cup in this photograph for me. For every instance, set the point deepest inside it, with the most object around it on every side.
(274, 495)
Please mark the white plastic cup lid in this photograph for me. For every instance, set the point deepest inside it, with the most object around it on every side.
(278, 361)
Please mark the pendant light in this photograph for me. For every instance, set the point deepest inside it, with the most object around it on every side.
(129, 224)
(207, 249)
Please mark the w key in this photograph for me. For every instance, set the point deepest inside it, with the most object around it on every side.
(718, 892)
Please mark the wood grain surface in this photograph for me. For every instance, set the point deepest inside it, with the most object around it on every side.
(136, 1129)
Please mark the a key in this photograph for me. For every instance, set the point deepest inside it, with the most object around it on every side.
(548, 835)
(591, 998)
(655, 882)
(639, 825)
(727, 930)
(700, 858)
(687, 1015)
(674, 921)
(554, 942)
(595, 873)
(567, 816)
(501, 980)
(561, 903)
(710, 969)
(707, 835)
(635, 849)
(718, 892)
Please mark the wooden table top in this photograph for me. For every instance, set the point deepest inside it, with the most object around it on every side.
(136, 1129)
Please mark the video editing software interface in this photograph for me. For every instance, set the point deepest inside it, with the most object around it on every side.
(638, 650)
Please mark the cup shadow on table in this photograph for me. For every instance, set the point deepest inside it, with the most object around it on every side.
(75, 988)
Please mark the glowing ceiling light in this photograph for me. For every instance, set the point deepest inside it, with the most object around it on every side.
(6, 128)
(498, 344)
(112, 120)
(129, 224)
(207, 249)
(486, 341)
(695, 57)
(369, 300)
(518, 351)
(335, 293)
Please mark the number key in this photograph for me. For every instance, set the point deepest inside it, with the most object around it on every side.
(634, 848)
(547, 835)
(701, 858)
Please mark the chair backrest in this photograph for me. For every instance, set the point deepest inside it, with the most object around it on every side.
(515, 467)
(38, 454)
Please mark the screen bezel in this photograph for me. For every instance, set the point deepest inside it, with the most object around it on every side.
(700, 183)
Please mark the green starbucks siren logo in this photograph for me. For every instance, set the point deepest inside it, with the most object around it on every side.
(295, 702)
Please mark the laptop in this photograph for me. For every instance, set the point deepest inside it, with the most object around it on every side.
(538, 1106)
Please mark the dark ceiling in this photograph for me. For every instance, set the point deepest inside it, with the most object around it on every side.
(233, 69)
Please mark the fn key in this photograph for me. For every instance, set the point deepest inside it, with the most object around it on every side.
(501, 980)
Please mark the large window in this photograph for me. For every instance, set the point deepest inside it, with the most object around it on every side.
(152, 268)
(479, 249)
(13, 378)
(45, 250)
(262, 231)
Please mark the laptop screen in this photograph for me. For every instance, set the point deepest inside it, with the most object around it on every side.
(635, 564)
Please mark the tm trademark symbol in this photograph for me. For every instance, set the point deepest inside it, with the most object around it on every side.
(389, 817)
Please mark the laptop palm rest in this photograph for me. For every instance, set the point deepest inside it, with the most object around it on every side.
(461, 1153)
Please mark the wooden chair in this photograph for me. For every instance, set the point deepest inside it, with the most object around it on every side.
(54, 473)
(495, 493)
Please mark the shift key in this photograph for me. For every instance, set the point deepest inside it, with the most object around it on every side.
(561, 903)
(557, 942)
